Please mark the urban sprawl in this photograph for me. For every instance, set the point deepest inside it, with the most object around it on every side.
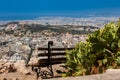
(17, 36)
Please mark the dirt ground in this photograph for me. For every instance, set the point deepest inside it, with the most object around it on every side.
(18, 76)
(32, 76)
(112, 74)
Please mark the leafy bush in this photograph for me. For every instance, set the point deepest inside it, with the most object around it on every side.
(100, 52)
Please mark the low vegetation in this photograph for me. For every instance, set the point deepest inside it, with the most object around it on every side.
(101, 51)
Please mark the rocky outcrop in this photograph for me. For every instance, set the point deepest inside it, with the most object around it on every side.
(18, 76)
(16, 71)
(6, 67)
(33, 61)
(20, 66)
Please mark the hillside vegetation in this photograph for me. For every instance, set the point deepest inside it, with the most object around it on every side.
(100, 52)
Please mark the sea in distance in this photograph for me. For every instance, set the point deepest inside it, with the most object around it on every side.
(34, 17)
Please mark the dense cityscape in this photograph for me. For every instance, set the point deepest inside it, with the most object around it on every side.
(16, 37)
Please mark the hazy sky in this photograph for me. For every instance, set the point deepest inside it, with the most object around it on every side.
(55, 7)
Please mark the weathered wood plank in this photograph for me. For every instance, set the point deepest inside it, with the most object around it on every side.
(55, 49)
(52, 54)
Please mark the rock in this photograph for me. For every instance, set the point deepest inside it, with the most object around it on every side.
(14, 79)
(2, 62)
(3, 79)
(39, 78)
(3, 69)
(113, 71)
(20, 67)
(25, 48)
(33, 61)
(7, 67)
(11, 68)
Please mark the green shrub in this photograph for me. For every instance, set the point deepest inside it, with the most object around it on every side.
(100, 52)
